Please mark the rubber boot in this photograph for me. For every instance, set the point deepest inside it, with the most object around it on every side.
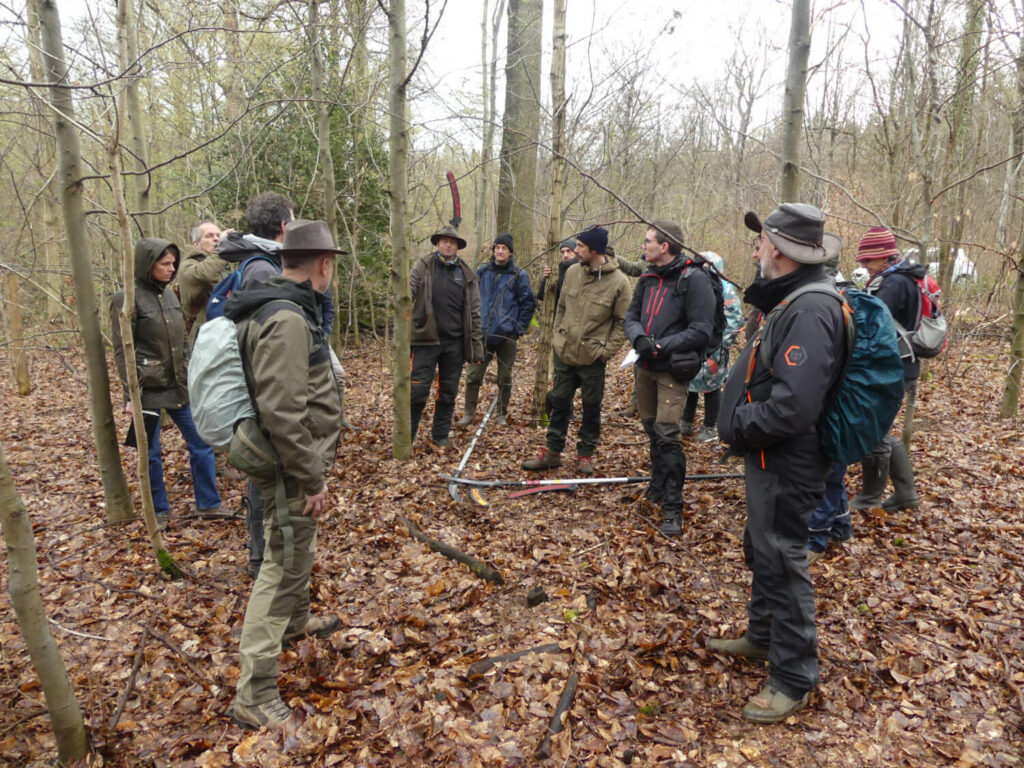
(875, 472)
(504, 397)
(674, 472)
(904, 496)
(472, 396)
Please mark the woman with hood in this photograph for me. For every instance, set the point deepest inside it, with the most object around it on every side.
(158, 328)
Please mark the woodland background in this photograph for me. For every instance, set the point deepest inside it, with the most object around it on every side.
(142, 118)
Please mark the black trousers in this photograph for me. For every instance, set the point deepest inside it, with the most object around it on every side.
(781, 610)
(446, 360)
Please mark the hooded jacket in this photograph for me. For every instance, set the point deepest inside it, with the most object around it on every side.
(506, 301)
(424, 324)
(591, 310)
(200, 272)
(897, 287)
(158, 328)
(288, 366)
(657, 311)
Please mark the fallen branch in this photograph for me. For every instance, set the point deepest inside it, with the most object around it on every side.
(555, 726)
(482, 667)
(478, 567)
(131, 679)
(184, 657)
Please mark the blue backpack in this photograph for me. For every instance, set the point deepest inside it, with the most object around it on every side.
(223, 289)
(870, 389)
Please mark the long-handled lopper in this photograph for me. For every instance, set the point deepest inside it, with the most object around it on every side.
(562, 483)
(453, 484)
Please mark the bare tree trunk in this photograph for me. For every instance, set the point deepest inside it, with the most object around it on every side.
(115, 489)
(398, 144)
(44, 208)
(232, 81)
(128, 341)
(793, 101)
(521, 123)
(547, 322)
(128, 54)
(17, 334)
(23, 583)
(481, 197)
(1014, 188)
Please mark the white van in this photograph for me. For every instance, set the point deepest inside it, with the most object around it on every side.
(964, 270)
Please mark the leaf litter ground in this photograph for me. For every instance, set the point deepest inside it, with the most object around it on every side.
(919, 617)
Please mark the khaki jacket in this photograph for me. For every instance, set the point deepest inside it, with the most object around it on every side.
(288, 361)
(200, 272)
(158, 329)
(591, 310)
(424, 324)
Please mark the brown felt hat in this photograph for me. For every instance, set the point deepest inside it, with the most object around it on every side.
(303, 237)
(448, 231)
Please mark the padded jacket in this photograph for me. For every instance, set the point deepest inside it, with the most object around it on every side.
(158, 328)
(424, 324)
(897, 287)
(506, 301)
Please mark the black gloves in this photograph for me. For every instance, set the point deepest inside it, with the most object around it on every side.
(644, 347)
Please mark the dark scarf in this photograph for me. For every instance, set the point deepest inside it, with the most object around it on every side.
(765, 294)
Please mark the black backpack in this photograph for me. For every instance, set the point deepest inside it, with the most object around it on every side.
(715, 278)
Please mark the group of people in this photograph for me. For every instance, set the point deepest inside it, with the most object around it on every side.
(681, 319)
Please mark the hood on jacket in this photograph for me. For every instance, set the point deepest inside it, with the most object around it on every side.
(610, 265)
(234, 248)
(148, 250)
(242, 304)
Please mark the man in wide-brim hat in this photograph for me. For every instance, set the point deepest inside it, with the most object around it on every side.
(770, 417)
(446, 329)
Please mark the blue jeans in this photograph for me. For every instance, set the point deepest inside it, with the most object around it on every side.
(831, 520)
(204, 481)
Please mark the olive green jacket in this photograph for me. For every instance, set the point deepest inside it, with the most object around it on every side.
(590, 314)
(288, 363)
(200, 272)
(158, 328)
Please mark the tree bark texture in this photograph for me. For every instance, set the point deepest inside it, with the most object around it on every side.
(793, 101)
(16, 331)
(115, 489)
(23, 583)
(1013, 189)
(520, 124)
(398, 144)
(547, 307)
(128, 54)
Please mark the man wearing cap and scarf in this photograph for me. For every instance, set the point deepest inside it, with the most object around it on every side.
(446, 329)
(670, 328)
(894, 281)
(506, 307)
(772, 402)
(588, 332)
(288, 367)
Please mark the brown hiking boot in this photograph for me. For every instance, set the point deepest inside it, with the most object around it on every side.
(585, 465)
(739, 646)
(316, 626)
(773, 706)
(546, 460)
(273, 714)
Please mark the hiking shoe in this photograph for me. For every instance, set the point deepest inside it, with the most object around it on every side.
(672, 523)
(585, 465)
(273, 714)
(773, 706)
(813, 557)
(162, 520)
(546, 460)
(316, 626)
(501, 420)
(443, 443)
(739, 646)
(210, 512)
(707, 435)
(685, 428)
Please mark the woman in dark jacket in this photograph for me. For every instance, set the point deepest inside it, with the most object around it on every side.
(158, 328)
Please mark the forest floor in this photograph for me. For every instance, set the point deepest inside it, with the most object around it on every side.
(920, 616)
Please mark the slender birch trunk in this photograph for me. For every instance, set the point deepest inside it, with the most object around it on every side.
(115, 489)
(793, 101)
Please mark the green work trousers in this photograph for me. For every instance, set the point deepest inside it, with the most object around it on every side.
(506, 354)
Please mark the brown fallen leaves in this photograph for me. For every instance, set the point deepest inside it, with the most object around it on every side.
(920, 616)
